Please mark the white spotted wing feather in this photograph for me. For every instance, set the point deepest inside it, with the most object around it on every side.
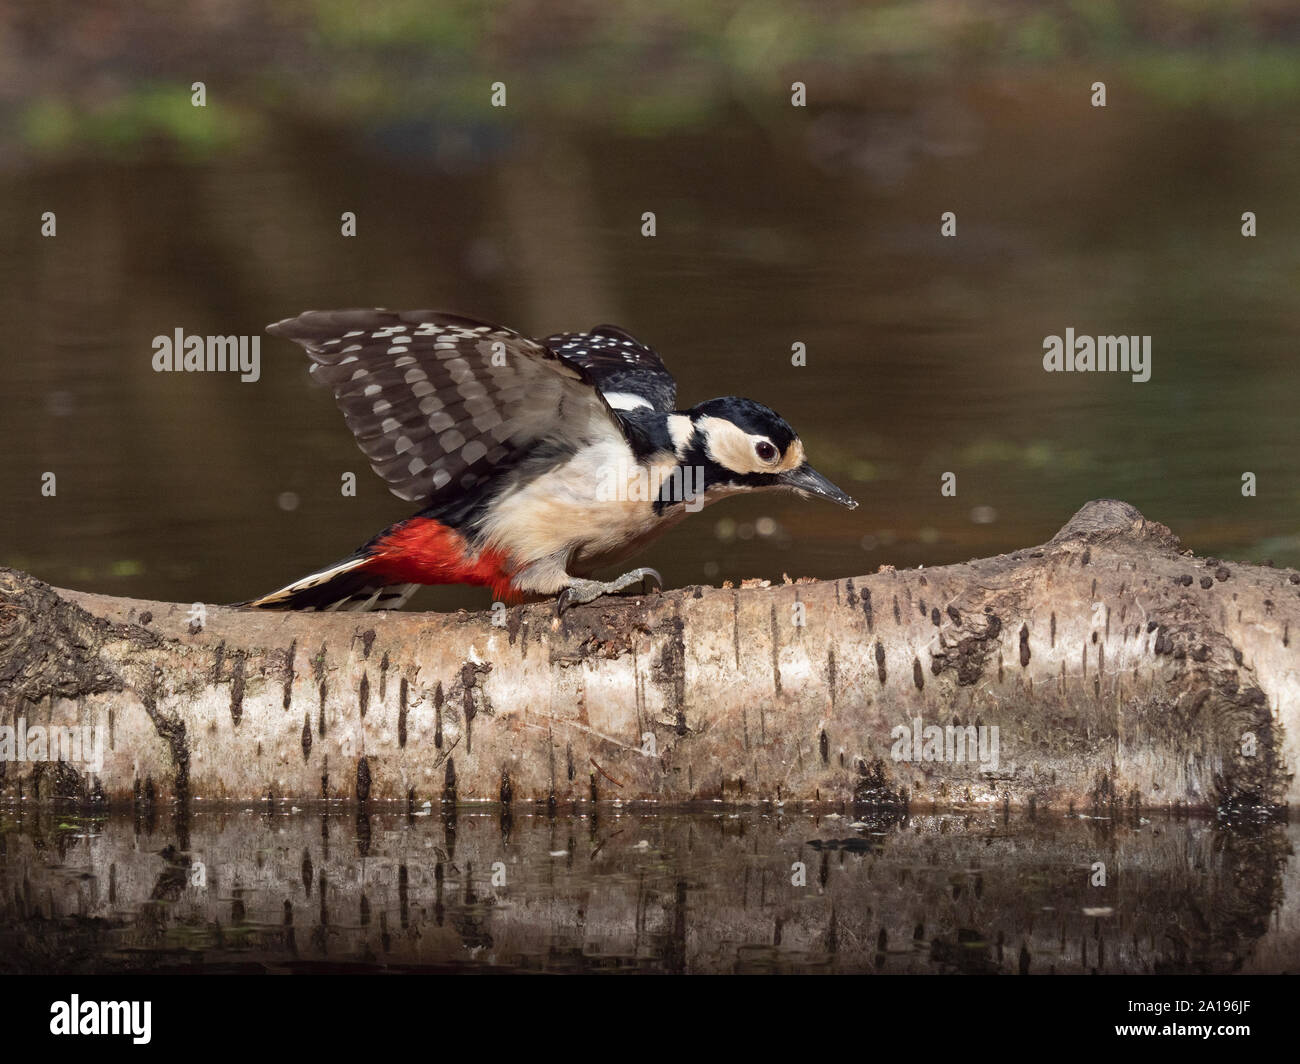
(439, 402)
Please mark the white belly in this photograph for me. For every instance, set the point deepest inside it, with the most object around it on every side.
(594, 509)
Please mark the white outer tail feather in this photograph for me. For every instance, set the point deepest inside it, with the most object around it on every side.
(355, 599)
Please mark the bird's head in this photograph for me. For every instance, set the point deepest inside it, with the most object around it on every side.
(744, 446)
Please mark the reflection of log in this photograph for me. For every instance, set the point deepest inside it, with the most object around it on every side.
(217, 890)
(1117, 670)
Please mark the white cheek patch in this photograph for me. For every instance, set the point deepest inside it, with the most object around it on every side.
(734, 449)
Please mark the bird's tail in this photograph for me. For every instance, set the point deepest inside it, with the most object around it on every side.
(346, 585)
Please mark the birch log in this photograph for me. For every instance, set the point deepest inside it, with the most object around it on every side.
(1119, 671)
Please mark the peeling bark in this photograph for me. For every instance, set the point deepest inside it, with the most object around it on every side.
(1120, 672)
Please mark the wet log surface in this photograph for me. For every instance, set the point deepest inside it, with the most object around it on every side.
(1119, 671)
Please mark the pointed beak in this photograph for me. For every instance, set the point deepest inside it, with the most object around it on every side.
(807, 481)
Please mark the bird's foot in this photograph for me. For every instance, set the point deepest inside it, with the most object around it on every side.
(580, 591)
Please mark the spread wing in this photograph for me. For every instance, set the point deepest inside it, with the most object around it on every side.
(437, 402)
(627, 372)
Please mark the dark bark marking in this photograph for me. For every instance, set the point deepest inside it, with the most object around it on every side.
(237, 689)
(669, 671)
(289, 673)
(402, 692)
(467, 681)
(776, 653)
(735, 626)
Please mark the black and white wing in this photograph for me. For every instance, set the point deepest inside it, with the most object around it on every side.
(627, 372)
(438, 402)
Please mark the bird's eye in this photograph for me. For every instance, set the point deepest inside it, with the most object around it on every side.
(765, 451)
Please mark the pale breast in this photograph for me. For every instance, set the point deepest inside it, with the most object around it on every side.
(594, 508)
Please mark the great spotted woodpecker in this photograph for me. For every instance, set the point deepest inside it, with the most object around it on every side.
(535, 462)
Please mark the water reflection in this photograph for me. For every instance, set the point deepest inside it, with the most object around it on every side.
(277, 888)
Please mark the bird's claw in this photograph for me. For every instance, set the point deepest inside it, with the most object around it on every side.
(581, 591)
(650, 580)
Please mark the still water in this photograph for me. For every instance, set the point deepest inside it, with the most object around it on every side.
(273, 888)
(775, 227)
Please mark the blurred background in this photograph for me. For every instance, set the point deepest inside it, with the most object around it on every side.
(775, 225)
